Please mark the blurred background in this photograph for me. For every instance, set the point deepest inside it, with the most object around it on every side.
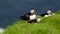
(11, 10)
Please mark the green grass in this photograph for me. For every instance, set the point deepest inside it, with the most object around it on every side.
(49, 25)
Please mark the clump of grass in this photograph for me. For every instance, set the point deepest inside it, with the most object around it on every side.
(49, 25)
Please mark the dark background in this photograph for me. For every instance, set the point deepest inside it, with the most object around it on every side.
(11, 10)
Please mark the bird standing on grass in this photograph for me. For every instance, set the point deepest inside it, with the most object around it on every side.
(31, 16)
(48, 13)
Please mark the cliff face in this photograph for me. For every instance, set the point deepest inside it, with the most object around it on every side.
(11, 10)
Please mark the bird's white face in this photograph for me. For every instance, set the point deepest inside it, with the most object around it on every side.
(49, 12)
(32, 11)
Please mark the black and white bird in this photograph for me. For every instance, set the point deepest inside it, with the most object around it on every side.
(31, 16)
(48, 13)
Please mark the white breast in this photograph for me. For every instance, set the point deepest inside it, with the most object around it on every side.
(32, 17)
(46, 16)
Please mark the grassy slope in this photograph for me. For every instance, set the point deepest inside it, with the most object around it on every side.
(50, 25)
